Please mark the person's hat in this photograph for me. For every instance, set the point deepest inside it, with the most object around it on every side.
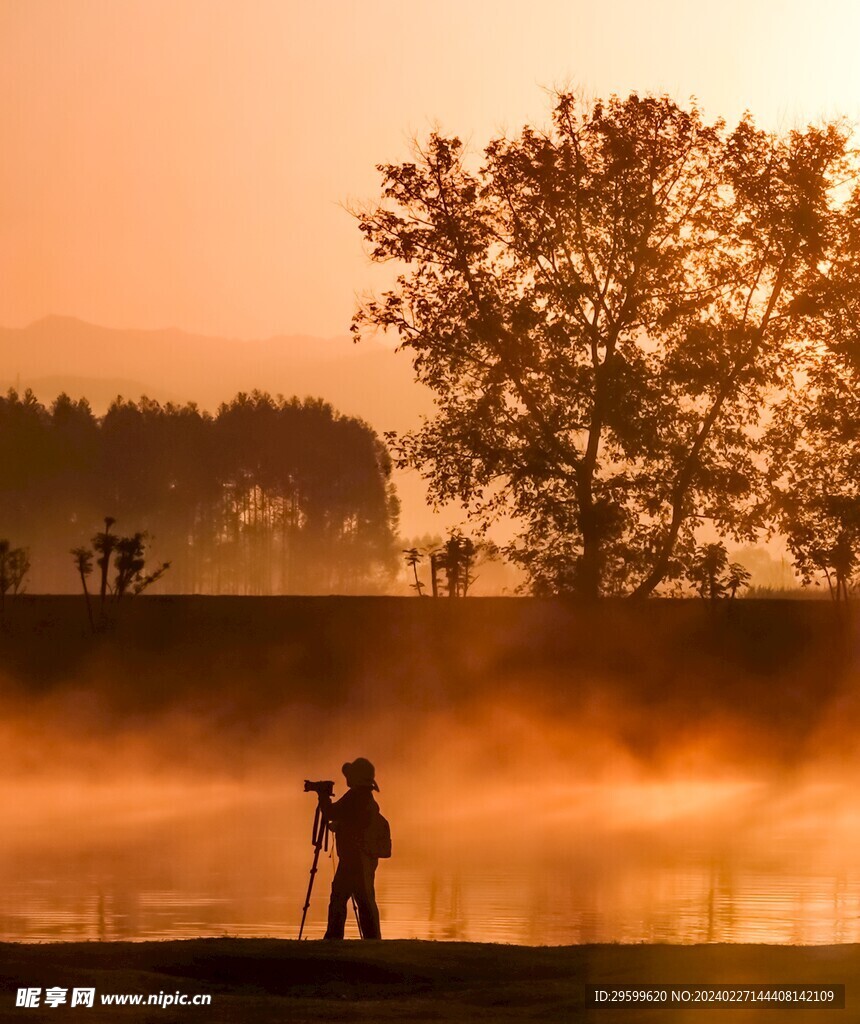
(360, 772)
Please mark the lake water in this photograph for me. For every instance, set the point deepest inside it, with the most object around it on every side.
(230, 861)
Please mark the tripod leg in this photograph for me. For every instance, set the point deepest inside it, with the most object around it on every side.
(357, 919)
(319, 837)
(310, 887)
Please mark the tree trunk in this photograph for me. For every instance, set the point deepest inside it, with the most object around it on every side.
(89, 605)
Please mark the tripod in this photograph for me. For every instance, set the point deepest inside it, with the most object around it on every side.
(319, 839)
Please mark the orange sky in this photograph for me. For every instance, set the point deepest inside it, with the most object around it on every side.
(181, 162)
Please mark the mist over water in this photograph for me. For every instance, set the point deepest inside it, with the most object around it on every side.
(528, 803)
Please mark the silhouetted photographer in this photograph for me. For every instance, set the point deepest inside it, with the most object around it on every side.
(362, 838)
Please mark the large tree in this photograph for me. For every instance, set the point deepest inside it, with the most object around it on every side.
(601, 309)
(813, 441)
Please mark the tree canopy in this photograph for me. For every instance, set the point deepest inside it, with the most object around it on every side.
(605, 310)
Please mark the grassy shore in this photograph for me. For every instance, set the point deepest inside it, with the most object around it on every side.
(268, 980)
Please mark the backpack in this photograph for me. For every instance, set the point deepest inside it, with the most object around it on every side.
(376, 841)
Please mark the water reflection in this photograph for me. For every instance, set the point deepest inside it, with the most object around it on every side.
(608, 891)
(551, 847)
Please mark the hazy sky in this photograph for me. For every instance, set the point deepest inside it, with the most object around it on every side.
(184, 162)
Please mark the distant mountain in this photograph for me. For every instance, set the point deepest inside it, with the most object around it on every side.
(57, 354)
(99, 393)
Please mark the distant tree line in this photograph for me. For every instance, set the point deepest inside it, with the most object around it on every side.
(641, 331)
(267, 496)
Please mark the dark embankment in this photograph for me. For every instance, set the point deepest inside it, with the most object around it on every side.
(776, 667)
(266, 981)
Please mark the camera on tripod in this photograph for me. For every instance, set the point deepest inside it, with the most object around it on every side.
(319, 836)
(323, 788)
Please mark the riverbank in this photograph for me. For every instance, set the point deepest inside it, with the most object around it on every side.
(774, 664)
(268, 980)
